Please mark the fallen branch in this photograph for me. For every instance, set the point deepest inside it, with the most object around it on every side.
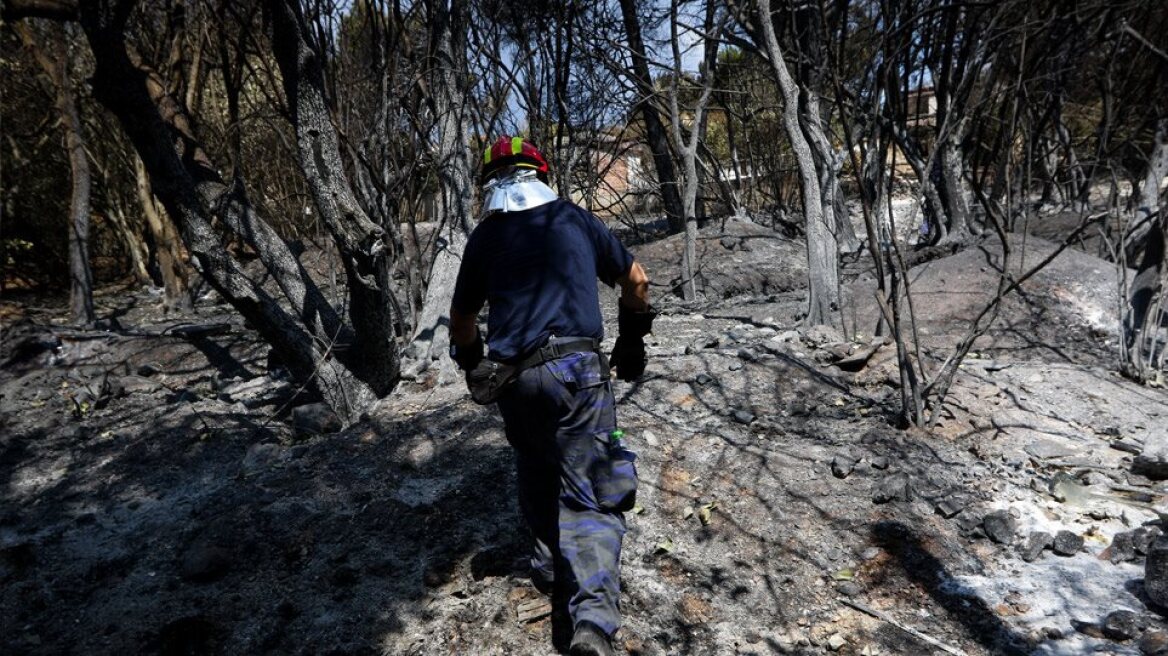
(907, 629)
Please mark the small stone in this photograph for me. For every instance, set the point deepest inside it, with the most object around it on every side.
(1000, 527)
(703, 379)
(314, 419)
(204, 562)
(836, 642)
(1122, 548)
(878, 462)
(148, 369)
(1123, 625)
(748, 355)
(842, 466)
(1153, 461)
(797, 407)
(896, 487)
(849, 588)
(871, 553)
(742, 416)
(1156, 572)
(1154, 643)
(950, 506)
(1097, 479)
(1035, 544)
(420, 454)
(1067, 543)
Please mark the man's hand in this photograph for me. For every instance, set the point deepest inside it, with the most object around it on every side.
(628, 354)
(468, 357)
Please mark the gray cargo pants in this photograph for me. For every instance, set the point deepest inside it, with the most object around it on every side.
(574, 481)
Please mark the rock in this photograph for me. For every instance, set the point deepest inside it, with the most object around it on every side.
(703, 342)
(742, 416)
(871, 553)
(1153, 461)
(950, 506)
(842, 465)
(257, 392)
(1035, 544)
(895, 487)
(148, 369)
(1154, 643)
(650, 438)
(314, 419)
(836, 642)
(260, 457)
(1000, 527)
(1087, 628)
(1156, 572)
(420, 454)
(820, 335)
(1123, 625)
(1067, 543)
(878, 462)
(849, 588)
(1044, 449)
(740, 333)
(204, 562)
(748, 355)
(1122, 548)
(1144, 537)
(786, 336)
(703, 379)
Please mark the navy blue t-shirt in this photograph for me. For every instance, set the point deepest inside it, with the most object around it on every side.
(537, 269)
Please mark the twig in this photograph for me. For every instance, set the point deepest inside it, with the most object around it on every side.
(907, 629)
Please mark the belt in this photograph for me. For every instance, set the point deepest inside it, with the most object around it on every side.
(559, 348)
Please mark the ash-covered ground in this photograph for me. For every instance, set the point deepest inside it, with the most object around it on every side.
(165, 490)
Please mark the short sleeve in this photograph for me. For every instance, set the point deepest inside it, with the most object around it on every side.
(470, 290)
(613, 260)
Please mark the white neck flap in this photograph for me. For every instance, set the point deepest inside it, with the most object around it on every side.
(518, 191)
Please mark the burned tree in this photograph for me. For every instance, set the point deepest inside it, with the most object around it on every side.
(350, 364)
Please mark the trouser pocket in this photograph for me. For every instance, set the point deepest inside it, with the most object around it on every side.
(614, 476)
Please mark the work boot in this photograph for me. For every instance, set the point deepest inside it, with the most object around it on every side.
(589, 640)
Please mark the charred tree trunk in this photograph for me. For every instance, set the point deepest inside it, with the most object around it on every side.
(53, 58)
(954, 192)
(822, 248)
(1147, 200)
(655, 132)
(374, 355)
(169, 252)
(449, 88)
(1146, 307)
(188, 186)
(689, 147)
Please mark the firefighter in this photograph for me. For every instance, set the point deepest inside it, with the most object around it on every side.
(534, 259)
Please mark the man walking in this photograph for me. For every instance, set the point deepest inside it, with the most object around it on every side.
(534, 259)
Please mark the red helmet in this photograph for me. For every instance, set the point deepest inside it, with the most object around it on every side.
(512, 151)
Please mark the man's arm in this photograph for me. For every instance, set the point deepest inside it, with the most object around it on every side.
(634, 290)
(462, 328)
(634, 321)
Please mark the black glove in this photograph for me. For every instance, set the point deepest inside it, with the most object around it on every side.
(468, 357)
(628, 354)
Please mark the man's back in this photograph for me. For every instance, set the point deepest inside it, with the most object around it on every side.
(537, 269)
